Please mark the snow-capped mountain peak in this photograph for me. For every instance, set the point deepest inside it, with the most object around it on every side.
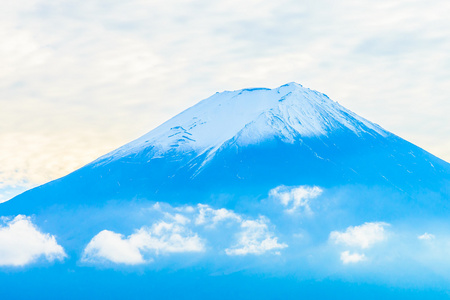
(248, 116)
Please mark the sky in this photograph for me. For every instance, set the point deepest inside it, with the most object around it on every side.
(81, 78)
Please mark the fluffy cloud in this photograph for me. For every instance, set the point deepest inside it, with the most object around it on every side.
(161, 238)
(348, 258)
(255, 238)
(111, 246)
(22, 243)
(175, 234)
(294, 198)
(363, 236)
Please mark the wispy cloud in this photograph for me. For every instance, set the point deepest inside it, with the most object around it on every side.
(426, 236)
(351, 258)
(296, 198)
(255, 238)
(210, 216)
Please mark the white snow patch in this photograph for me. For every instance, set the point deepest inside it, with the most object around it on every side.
(22, 243)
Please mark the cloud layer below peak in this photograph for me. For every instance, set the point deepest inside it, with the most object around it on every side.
(181, 230)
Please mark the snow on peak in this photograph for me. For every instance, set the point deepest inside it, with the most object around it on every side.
(291, 85)
(250, 115)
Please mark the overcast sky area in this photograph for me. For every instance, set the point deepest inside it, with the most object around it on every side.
(81, 78)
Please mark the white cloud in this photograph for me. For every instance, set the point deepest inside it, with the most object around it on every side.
(294, 198)
(210, 216)
(363, 236)
(111, 246)
(22, 243)
(426, 236)
(175, 234)
(161, 238)
(347, 257)
(255, 238)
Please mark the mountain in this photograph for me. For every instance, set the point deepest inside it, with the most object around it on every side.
(248, 141)
(282, 182)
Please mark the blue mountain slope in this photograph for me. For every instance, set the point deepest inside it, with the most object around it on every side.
(281, 190)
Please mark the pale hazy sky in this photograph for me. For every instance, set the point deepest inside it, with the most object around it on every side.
(80, 78)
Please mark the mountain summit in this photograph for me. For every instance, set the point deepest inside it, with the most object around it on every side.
(250, 116)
